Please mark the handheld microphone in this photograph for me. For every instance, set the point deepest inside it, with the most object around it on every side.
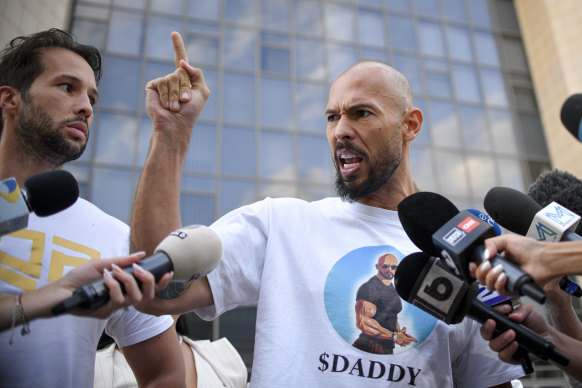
(44, 194)
(191, 252)
(520, 214)
(426, 282)
(488, 219)
(435, 225)
(571, 115)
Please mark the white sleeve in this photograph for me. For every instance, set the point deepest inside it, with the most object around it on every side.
(129, 327)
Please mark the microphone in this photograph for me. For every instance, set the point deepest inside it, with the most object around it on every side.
(191, 252)
(435, 225)
(427, 283)
(44, 194)
(488, 219)
(520, 214)
(571, 115)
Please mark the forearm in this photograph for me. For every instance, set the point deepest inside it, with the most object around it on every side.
(34, 304)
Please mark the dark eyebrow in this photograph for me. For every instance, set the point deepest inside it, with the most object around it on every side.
(76, 80)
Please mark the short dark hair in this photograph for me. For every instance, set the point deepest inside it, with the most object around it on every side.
(20, 61)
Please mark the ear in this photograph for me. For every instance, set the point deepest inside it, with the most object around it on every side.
(412, 124)
(10, 101)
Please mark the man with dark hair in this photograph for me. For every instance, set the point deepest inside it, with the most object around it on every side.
(48, 87)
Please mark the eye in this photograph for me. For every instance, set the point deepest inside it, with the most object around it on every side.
(363, 113)
(66, 87)
(92, 101)
(332, 117)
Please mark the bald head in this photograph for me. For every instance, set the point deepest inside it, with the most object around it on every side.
(393, 83)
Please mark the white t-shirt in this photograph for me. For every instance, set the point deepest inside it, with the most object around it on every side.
(60, 351)
(302, 263)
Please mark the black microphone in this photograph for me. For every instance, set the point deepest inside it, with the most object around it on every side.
(44, 194)
(437, 227)
(522, 215)
(191, 252)
(426, 282)
(571, 115)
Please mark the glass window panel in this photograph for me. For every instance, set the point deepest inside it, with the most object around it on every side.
(143, 142)
(481, 173)
(121, 85)
(276, 60)
(421, 167)
(369, 54)
(276, 102)
(197, 209)
(241, 11)
(451, 174)
(112, 192)
(311, 102)
(315, 163)
(444, 124)
(94, 12)
(202, 151)
(81, 174)
(409, 66)
(437, 65)
(238, 98)
(275, 14)
(202, 50)
(423, 136)
(486, 48)
(197, 183)
(377, 3)
(431, 38)
(402, 35)
(309, 58)
(371, 28)
(428, 8)
(313, 193)
(234, 194)
(343, 57)
(210, 108)
(126, 33)
(466, 83)
(307, 16)
(439, 85)
(204, 9)
(459, 43)
(511, 174)
(339, 22)
(238, 151)
(137, 4)
(159, 43)
(479, 11)
(525, 99)
(176, 7)
(514, 53)
(493, 87)
(455, 10)
(203, 28)
(533, 135)
(474, 125)
(239, 48)
(503, 132)
(90, 32)
(506, 15)
(278, 190)
(277, 156)
(116, 139)
(399, 5)
(276, 39)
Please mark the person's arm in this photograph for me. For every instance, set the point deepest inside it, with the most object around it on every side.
(157, 362)
(38, 303)
(173, 103)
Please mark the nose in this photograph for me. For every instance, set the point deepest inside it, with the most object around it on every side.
(84, 107)
(344, 129)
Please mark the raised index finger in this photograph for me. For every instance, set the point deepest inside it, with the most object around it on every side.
(179, 49)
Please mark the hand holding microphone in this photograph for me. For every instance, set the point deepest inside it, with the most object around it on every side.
(190, 252)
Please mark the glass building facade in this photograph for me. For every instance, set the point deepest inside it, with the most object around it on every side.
(269, 64)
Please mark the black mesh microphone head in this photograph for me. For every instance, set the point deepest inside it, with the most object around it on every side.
(561, 187)
(571, 114)
(422, 214)
(406, 274)
(511, 208)
(51, 192)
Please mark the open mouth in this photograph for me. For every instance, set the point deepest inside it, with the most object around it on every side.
(349, 161)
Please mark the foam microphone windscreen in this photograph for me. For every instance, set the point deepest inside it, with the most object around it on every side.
(51, 192)
(571, 115)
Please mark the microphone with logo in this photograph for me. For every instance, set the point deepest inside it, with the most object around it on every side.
(520, 214)
(427, 283)
(437, 227)
(191, 252)
(44, 194)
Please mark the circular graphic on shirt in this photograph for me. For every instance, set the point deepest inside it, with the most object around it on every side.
(364, 308)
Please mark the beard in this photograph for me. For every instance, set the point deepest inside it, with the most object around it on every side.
(42, 140)
(381, 170)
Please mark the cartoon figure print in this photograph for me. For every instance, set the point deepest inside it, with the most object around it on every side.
(377, 307)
